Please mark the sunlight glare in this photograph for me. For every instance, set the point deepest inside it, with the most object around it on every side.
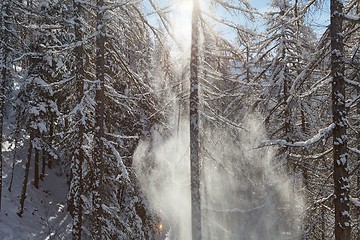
(185, 6)
(182, 22)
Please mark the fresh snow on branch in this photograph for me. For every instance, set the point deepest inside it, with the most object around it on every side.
(122, 136)
(352, 18)
(315, 156)
(354, 150)
(235, 210)
(355, 201)
(322, 133)
(322, 200)
(120, 164)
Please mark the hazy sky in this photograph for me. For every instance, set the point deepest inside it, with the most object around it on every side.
(318, 18)
(181, 17)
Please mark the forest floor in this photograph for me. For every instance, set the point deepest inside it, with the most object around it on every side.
(45, 215)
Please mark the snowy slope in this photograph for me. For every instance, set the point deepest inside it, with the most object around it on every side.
(45, 215)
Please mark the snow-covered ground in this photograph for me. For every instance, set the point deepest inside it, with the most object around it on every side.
(45, 215)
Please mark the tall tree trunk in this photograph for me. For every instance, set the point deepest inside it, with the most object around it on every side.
(1, 134)
(36, 168)
(357, 217)
(51, 140)
(43, 163)
(98, 154)
(194, 125)
(323, 223)
(2, 112)
(5, 80)
(76, 189)
(286, 86)
(26, 177)
(340, 154)
(5, 74)
(16, 143)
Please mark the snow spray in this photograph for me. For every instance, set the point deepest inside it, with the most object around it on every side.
(243, 195)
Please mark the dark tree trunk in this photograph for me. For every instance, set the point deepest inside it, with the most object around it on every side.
(5, 77)
(26, 177)
(194, 126)
(98, 153)
(51, 140)
(340, 154)
(77, 179)
(36, 169)
(2, 112)
(43, 163)
(1, 133)
(357, 217)
(16, 142)
(304, 165)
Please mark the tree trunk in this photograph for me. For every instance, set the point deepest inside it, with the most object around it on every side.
(76, 189)
(51, 140)
(194, 125)
(98, 153)
(1, 133)
(340, 154)
(2, 112)
(36, 169)
(323, 223)
(26, 177)
(357, 217)
(43, 163)
(17, 136)
(5, 75)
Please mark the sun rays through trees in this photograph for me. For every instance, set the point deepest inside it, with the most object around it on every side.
(179, 119)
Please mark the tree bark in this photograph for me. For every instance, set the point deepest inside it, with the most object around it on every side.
(51, 140)
(98, 153)
(5, 75)
(357, 217)
(2, 99)
(195, 171)
(76, 189)
(26, 177)
(340, 154)
(43, 163)
(36, 168)
(2, 112)
(16, 143)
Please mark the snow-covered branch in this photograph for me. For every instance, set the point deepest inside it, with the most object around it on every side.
(352, 82)
(355, 201)
(352, 18)
(235, 210)
(322, 133)
(354, 150)
(351, 102)
(216, 116)
(322, 200)
(121, 136)
(315, 156)
(120, 163)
